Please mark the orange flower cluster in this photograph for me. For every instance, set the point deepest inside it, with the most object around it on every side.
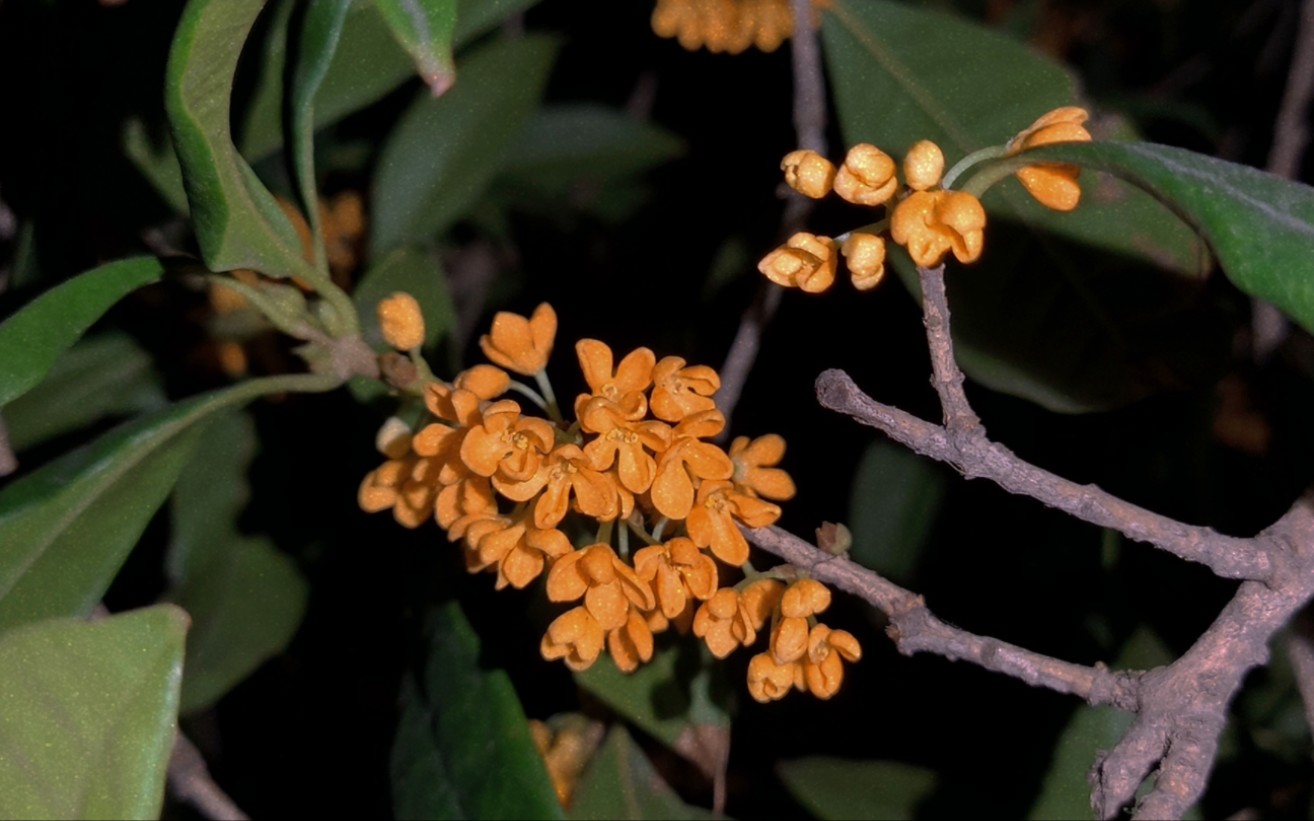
(729, 26)
(638, 460)
(929, 220)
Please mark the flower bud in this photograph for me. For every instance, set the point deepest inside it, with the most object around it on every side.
(808, 173)
(923, 166)
(865, 255)
(401, 321)
(867, 176)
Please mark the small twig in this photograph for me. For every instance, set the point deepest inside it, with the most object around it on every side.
(810, 132)
(915, 629)
(1269, 326)
(959, 418)
(190, 783)
(978, 457)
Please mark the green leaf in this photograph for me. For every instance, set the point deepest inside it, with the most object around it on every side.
(463, 747)
(67, 527)
(569, 144)
(1065, 792)
(320, 31)
(159, 165)
(621, 783)
(246, 608)
(1077, 312)
(238, 222)
(444, 151)
(424, 29)
(896, 496)
(102, 376)
(843, 788)
(676, 698)
(34, 337)
(366, 65)
(246, 599)
(90, 715)
(1260, 226)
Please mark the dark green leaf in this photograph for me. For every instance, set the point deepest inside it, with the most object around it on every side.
(895, 500)
(424, 29)
(320, 31)
(463, 747)
(843, 788)
(1065, 792)
(621, 783)
(1260, 226)
(246, 608)
(444, 151)
(245, 598)
(102, 376)
(90, 715)
(158, 164)
(1077, 312)
(68, 526)
(33, 338)
(238, 222)
(366, 65)
(674, 698)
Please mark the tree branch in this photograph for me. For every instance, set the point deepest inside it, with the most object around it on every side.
(190, 782)
(915, 629)
(978, 457)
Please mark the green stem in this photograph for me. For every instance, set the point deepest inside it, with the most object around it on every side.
(545, 385)
(990, 174)
(604, 531)
(987, 153)
(530, 393)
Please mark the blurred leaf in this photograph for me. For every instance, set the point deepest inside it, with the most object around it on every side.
(1076, 312)
(424, 29)
(843, 788)
(246, 599)
(444, 151)
(33, 338)
(246, 607)
(896, 496)
(158, 165)
(101, 376)
(417, 272)
(621, 783)
(238, 222)
(672, 698)
(463, 747)
(67, 527)
(567, 144)
(1065, 792)
(366, 65)
(90, 715)
(1260, 226)
(320, 32)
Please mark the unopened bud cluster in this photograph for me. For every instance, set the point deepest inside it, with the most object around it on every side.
(929, 220)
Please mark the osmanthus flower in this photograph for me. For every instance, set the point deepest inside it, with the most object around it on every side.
(713, 520)
(806, 261)
(406, 484)
(678, 573)
(401, 322)
(565, 473)
(611, 590)
(754, 463)
(680, 389)
(468, 496)
(823, 663)
(517, 548)
(519, 344)
(923, 165)
(506, 444)
(1054, 185)
(689, 460)
(930, 224)
(729, 26)
(801, 600)
(484, 381)
(770, 680)
(725, 623)
(623, 386)
(808, 173)
(864, 254)
(630, 644)
(624, 441)
(867, 176)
